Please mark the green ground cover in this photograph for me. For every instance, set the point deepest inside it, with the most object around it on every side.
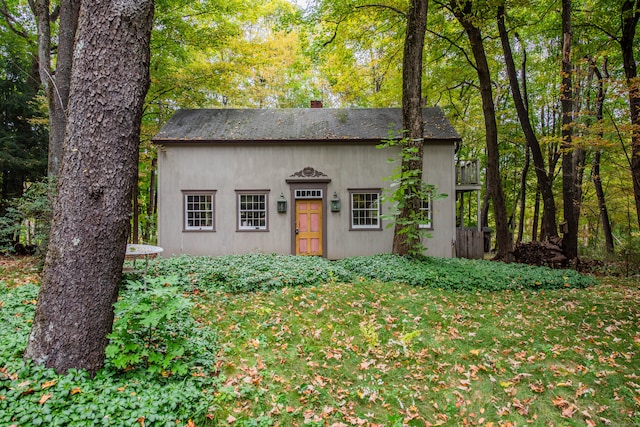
(365, 341)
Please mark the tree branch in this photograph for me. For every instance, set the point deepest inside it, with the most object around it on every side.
(382, 6)
(11, 23)
(454, 44)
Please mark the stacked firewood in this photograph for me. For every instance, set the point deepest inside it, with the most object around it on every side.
(548, 253)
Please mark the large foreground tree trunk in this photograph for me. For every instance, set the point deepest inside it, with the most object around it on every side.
(412, 122)
(462, 10)
(83, 266)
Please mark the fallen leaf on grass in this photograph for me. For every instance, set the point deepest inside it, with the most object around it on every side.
(44, 398)
(566, 409)
(48, 384)
(522, 406)
(569, 411)
(365, 364)
(537, 387)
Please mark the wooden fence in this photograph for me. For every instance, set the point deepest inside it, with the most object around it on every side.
(469, 243)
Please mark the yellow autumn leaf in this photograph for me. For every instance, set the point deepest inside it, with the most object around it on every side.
(506, 384)
(76, 390)
(474, 352)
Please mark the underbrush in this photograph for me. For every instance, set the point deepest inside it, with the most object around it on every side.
(261, 272)
(463, 274)
(250, 272)
(161, 370)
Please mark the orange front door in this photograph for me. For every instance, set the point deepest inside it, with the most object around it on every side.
(308, 227)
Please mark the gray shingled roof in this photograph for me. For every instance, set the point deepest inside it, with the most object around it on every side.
(296, 124)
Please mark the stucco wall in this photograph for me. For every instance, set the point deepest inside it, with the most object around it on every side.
(227, 168)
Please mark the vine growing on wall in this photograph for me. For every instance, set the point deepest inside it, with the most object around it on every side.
(407, 187)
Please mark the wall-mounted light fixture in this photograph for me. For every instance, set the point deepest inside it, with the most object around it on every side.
(281, 204)
(335, 203)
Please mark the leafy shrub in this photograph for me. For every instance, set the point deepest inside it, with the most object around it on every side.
(33, 395)
(154, 329)
(251, 272)
(462, 274)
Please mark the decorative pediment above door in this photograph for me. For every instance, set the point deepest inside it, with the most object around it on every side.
(308, 174)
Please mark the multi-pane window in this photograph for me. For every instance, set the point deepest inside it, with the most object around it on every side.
(198, 210)
(365, 209)
(252, 211)
(426, 213)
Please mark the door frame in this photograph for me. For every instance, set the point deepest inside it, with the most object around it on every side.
(320, 184)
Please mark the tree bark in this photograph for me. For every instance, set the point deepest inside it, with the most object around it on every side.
(536, 217)
(544, 184)
(92, 209)
(135, 220)
(56, 84)
(570, 238)
(595, 168)
(630, 15)
(523, 194)
(462, 12)
(151, 205)
(412, 120)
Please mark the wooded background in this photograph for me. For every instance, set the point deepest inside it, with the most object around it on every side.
(560, 78)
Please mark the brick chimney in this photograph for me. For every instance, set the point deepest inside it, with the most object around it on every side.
(316, 104)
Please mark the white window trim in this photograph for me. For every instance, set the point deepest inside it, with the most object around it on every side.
(352, 193)
(428, 225)
(265, 194)
(185, 209)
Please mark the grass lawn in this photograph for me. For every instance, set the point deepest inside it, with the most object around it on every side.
(300, 345)
(375, 353)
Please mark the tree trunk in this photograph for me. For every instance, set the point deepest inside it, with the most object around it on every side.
(570, 238)
(83, 266)
(484, 213)
(595, 169)
(602, 204)
(151, 206)
(544, 184)
(56, 84)
(135, 206)
(630, 14)
(462, 11)
(523, 195)
(536, 217)
(412, 120)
